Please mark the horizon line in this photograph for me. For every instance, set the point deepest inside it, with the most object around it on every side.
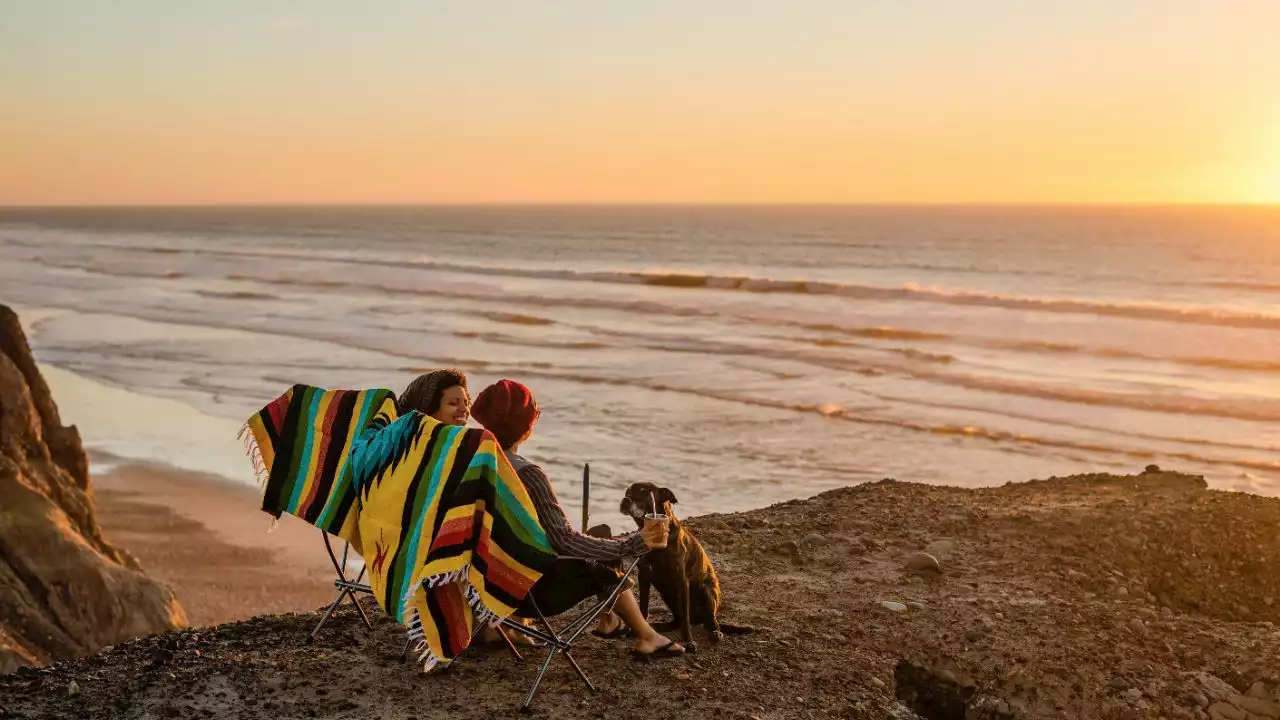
(652, 203)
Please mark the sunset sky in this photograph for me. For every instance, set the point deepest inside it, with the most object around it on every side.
(141, 102)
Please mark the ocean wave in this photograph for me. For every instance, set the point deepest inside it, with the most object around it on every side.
(694, 280)
(654, 307)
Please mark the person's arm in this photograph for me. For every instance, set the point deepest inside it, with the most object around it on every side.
(563, 538)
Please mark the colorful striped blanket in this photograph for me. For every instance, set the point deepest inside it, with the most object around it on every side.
(448, 532)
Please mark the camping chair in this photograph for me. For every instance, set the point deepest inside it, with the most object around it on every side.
(347, 588)
(562, 641)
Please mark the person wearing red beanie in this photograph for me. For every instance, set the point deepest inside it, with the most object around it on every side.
(509, 411)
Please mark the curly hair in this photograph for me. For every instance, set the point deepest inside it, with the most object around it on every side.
(425, 392)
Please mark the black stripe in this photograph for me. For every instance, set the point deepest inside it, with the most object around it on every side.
(283, 463)
(334, 450)
(406, 520)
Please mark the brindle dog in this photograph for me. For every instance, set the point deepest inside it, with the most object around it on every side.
(682, 572)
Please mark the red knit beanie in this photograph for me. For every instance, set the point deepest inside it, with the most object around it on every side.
(506, 409)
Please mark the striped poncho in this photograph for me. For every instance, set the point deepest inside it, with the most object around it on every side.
(448, 533)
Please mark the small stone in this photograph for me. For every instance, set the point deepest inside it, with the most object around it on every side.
(1226, 711)
(941, 547)
(1199, 700)
(1259, 691)
(877, 683)
(894, 606)
(1076, 575)
(108, 648)
(1122, 591)
(814, 539)
(789, 547)
(921, 562)
(1138, 627)
(914, 605)
(1118, 683)
(1132, 694)
(73, 688)
(831, 613)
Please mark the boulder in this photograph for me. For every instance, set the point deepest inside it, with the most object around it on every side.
(64, 590)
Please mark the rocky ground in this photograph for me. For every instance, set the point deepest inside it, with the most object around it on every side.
(1086, 597)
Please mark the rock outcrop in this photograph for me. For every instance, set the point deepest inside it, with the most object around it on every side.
(64, 590)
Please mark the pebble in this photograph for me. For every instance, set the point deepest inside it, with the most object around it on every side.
(1133, 694)
(787, 548)
(915, 605)
(813, 539)
(1138, 627)
(941, 547)
(921, 562)
(1259, 691)
(1199, 700)
(894, 606)
(73, 688)
(877, 682)
(831, 613)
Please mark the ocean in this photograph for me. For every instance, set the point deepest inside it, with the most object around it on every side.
(738, 355)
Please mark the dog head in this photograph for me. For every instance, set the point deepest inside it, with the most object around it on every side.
(639, 499)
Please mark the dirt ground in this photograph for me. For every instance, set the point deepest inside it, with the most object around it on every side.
(1087, 597)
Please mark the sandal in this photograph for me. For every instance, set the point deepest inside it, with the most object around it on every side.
(663, 652)
(619, 632)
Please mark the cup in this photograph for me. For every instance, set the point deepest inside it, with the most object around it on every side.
(652, 519)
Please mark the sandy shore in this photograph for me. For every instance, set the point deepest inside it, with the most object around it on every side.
(208, 540)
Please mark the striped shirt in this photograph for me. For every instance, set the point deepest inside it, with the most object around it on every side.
(566, 541)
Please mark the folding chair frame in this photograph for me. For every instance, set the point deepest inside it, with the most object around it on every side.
(562, 641)
(346, 588)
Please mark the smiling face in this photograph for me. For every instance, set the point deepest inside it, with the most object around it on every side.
(455, 406)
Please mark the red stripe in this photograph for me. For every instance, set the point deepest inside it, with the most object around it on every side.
(453, 532)
(326, 446)
(277, 410)
(501, 574)
(451, 604)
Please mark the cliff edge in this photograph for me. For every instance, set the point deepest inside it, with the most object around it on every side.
(64, 590)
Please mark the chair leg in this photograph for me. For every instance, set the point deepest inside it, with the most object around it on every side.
(581, 674)
(510, 643)
(325, 618)
(528, 701)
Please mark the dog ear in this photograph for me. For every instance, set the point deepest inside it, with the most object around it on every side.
(667, 496)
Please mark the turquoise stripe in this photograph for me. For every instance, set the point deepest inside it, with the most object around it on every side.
(512, 509)
(445, 447)
(345, 474)
(304, 460)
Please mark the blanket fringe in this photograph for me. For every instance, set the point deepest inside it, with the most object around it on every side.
(483, 615)
(260, 469)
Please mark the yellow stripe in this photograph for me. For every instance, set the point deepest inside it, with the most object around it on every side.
(263, 439)
(433, 502)
(317, 442)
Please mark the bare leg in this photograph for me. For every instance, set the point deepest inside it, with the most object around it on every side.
(647, 639)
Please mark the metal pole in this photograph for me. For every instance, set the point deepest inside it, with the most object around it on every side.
(586, 494)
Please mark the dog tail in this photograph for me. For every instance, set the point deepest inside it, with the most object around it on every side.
(736, 629)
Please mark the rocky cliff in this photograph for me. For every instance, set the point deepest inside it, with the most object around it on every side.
(1094, 597)
(64, 590)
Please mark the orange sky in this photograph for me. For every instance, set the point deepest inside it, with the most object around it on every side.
(1122, 101)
